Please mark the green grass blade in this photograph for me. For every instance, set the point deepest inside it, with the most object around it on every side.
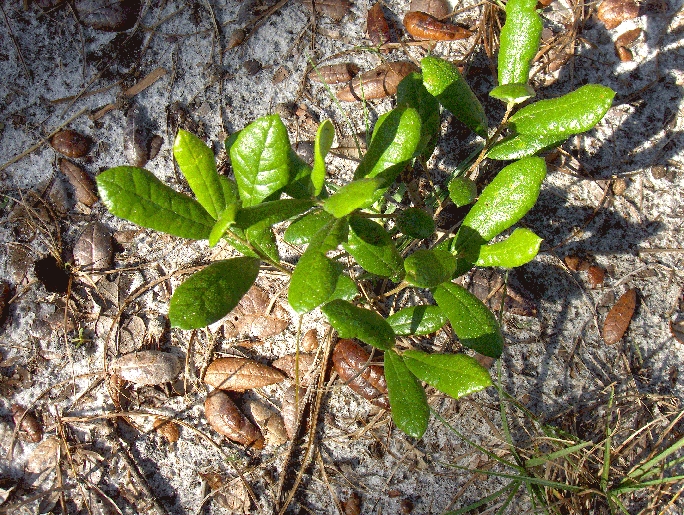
(484, 500)
(650, 464)
(535, 462)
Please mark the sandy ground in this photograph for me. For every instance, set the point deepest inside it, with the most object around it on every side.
(556, 363)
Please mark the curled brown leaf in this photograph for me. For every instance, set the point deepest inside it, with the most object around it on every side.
(425, 26)
(269, 421)
(618, 318)
(71, 143)
(377, 26)
(29, 427)
(334, 73)
(380, 82)
(84, 186)
(238, 374)
(613, 12)
(225, 418)
(351, 363)
(310, 340)
(148, 367)
(299, 367)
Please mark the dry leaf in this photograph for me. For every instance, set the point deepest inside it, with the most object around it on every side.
(148, 367)
(70, 143)
(377, 26)
(596, 276)
(136, 138)
(333, 9)
(250, 318)
(576, 263)
(622, 44)
(436, 8)
(93, 249)
(119, 390)
(677, 320)
(292, 404)
(301, 367)
(625, 54)
(167, 428)
(613, 12)
(5, 296)
(352, 506)
(240, 374)
(334, 73)
(310, 340)
(84, 186)
(618, 318)
(236, 38)
(225, 417)
(351, 364)
(280, 75)
(44, 456)
(487, 284)
(270, 423)
(30, 429)
(378, 83)
(424, 26)
(229, 494)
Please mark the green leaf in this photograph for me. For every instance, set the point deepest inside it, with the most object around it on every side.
(462, 191)
(313, 281)
(522, 145)
(230, 190)
(520, 37)
(519, 248)
(410, 410)
(352, 196)
(427, 268)
(225, 220)
(322, 144)
(512, 93)
(269, 213)
(235, 237)
(443, 80)
(210, 294)
(412, 93)
(230, 141)
(261, 159)
(561, 117)
(416, 223)
(454, 374)
(300, 185)
(305, 227)
(197, 163)
(417, 320)
(373, 249)
(353, 322)
(136, 195)
(262, 239)
(396, 137)
(502, 203)
(346, 289)
(470, 319)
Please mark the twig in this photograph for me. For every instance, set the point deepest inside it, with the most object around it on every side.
(16, 45)
(142, 85)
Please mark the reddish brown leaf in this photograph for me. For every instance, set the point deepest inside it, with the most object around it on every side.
(230, 494)
(424, 26)
(618, 318)
(334, 73)
(225, 417)
(84, 186)
(596, 275)
(576, 263)
(29, 427)
(167, 428)
(613, 12)
(622, 44)
(352, 506)
(301, 367)
(5, 296)
(71, 143)
(148, 367)
(236, 38)
(310, 340)
(378, 83)
(351, 364)
(94, 248)
(240, 374)
(436, 8)
(377, 26)
(333, 9)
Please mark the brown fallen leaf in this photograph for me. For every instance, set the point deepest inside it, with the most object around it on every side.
(351, 364)
(44, 456)
(269, 421)
(5, 296)
(237, 37)
(147, 367)
(576, 263)
(377, 26)
(436, 8)
(618, 318)
(613, 12)
(624, 54)
(250, 318)
(333, 73)
(230, 494)
(677, 320)
(596, 276)
(239, 374)
(310, 340)
(622, 44)
(71, 143)
(378, 83)
(292, 404)
(487, 284)
(422, 25)
(84, 186)
(352, 506)
(29, 427)
(167, 428)
(301, 367)
(333, 9)
(93, 249)
(225, 418)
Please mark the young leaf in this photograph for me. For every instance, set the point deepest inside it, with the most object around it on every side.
(354, 322)
(373, 249)
(561, 117)
(352, 196)
(502, 203)
(261, 159)
(225, 220)
(470, 319)
(313, 281)
(454, 374)
(427, 268)
(417, 320)
(136, 195)
(410, 410)
(462, 191)
(304, 228)
(395, 139)
(416, 223)
(519, 248)
(443, 80)
(520, 38)
(197, 163)
(322, 144)
(412, 93)
(210, 294)
(522, 145)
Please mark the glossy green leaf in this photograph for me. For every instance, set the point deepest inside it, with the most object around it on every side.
(520, 37)
(313, 281)
(322, 144)
(136, 195)
(211, 293)
(443, 80)
(519, 248)
(263, 240)
(522, 145)
(473, 323)
(416, 223)
(354, 195)
(269, 213)
(304, 228)
(300, 185)
(512, 93)
(237, 239)
(261, 159)
(417, 320)
(561, 117)
(346, 289)
(230, 190)
(396, 137)
(462, 191)
(412, 93)
(454, 374)
(225, 220)
(410, 410)
(373, 249)
(230, 141)
(502, 203)
(427, 268)
(197, 163)
(353, 322)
